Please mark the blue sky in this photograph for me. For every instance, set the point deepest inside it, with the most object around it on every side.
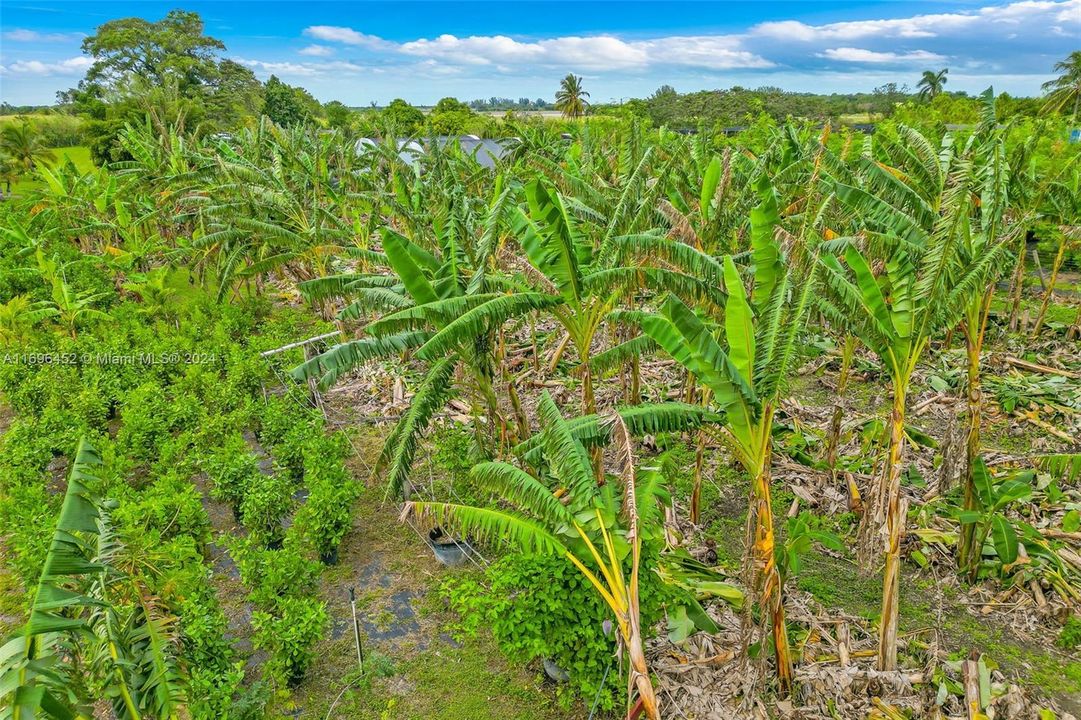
(359, 52)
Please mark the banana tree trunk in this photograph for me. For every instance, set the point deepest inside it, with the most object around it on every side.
(1049, 294)
(894, 529)
(972, 445)
(1075, 330)
(834, 436)
(639, 675)
(1018, 283)
(696, 489)
(768, 578)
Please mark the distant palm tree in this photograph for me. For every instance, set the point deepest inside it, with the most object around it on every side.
(22, 148)
(570, 99)
(1065, 90)
(931, 83)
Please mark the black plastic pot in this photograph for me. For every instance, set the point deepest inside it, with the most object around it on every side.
(554, 672)
(329, 558)
(448, 550)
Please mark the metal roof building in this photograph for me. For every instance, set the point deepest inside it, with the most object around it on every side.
(487, 153)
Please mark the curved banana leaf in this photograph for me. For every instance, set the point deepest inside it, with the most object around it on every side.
(329, 366)
(484, 319)
(403, 256)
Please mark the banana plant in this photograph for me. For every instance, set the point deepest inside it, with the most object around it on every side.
(600, 529)
(746, 376)
(991, 237)
(987, 518)
(926, 285)
(82, 629)
(439, 299)
(19, 315)
(72, 308)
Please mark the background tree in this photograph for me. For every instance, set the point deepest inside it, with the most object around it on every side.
(288, 105)
(571, 98)
(338, 115)
(22, 149)
(401, 117)
(931, 84)
(1065, 90)
(133, 56)
(450, 116)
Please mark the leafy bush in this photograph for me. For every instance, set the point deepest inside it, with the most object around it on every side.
(289, 634)
(171, 507)
(1069, 637)
(543, 607)
(231, 469)
(145, 411)
(327, 514)
(267, 499)
(273, 574)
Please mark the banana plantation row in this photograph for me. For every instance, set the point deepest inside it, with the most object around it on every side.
(673, 285)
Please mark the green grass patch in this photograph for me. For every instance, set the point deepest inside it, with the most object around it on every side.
(77, 154)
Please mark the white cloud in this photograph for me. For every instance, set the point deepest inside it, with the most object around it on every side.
(850, 54)
(71, 66)
(316, 51)
(922, 26)
(713, 52)
(603, 52)
(24, 35)
(349, 36)
(302, 69)
(964, 36)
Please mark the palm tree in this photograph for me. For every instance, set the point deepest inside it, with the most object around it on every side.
(930, 85)
(1065, 90)
(570, 99)
(23, 148)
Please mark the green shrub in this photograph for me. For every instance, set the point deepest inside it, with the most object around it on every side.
(328, 512)
(1069, 637)
(146, 420)
(169, 508)
(267, 499)
(28, 513)
(231, 469)
(289, 635)
(543, 607)
(273, 574)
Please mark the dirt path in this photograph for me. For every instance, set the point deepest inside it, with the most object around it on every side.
(224, 575)
(416, 668)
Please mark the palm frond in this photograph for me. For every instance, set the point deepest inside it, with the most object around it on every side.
(524, 533)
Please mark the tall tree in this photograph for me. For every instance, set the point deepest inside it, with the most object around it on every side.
(137, 62)
(173, 48)
(571, 98)
(931, 84)
(1065, 90)
(288, 105)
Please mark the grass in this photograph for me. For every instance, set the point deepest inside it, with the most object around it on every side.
(422, 673)
(78, 154)
(839, 584)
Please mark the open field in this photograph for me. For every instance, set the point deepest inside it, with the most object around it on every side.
(765, 348)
